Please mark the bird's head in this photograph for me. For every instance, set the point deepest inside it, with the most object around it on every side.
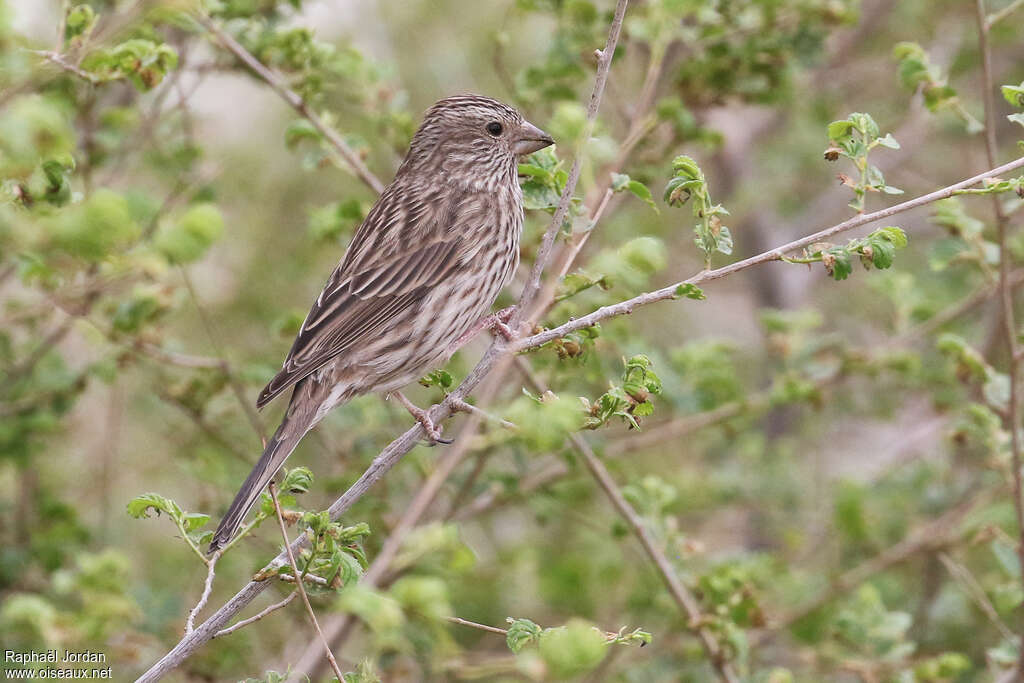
(475, 135)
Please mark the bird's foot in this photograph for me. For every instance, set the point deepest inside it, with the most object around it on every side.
(423, 417)
(496, 322)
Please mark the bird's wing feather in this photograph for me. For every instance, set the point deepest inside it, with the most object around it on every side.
(363, 294)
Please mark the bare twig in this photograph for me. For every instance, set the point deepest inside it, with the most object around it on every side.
(256, 617)
(462, 406)
(473, 624)
(996, 17)
(211, 565)
(604, 62)
(1012, 415)
(935, 535)
(295, 100)
(61, 61)
(964, 576)
(236, 386)
(776, 254)
(679, 592)
(298, 583)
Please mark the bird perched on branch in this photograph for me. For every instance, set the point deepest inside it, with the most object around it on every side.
(417, 280)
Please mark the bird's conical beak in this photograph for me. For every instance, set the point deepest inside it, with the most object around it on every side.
(529, 138)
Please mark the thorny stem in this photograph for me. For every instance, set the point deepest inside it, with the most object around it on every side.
(298, 583)
(1006, 300)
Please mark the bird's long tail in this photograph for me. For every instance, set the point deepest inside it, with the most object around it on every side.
(286, 438)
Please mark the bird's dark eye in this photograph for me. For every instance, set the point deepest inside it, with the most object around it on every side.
(494, 128)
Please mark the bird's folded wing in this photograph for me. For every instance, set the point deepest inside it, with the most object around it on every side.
(356, 306)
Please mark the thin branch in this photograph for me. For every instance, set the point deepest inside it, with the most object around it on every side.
(996, 17)
(61, 61)
(236, 386)
(682, 596)
(639, 126)
(297, 103)
(964, 576)
(298, 584)
(256, 617)
(935, 535)
(776, 254)
(49, 341)
(463, 407)
(1006, 299)
(604, 63)
(679, 592)
(473, 624)
(211, 565)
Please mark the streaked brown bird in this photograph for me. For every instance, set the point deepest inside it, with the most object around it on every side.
(417, 280)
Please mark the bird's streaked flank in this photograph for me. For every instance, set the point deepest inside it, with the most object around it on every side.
(418, 278)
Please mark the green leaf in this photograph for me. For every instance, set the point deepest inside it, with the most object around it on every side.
(521, 632)
(573, 649)
(438, 378)
(140, 506)
(892, 233)
(194, 520)
(349, 569)
(298, 131)
(1014, 94)
(839, 266)
(888, 141)
(297, 480)
(839, 129)
(191, 236)
(1016, 118)
(689, 291)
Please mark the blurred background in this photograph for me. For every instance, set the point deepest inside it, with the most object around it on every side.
(823, 460)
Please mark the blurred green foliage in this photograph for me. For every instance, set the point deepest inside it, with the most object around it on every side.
(165, 219)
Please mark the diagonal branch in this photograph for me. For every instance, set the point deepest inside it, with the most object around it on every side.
(776, 254)
(681, 595)
(604, 63)
(298, 583)
(295, 100)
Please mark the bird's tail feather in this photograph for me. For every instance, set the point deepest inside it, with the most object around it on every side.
(285, 439)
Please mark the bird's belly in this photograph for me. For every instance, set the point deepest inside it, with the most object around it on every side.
(422, 340)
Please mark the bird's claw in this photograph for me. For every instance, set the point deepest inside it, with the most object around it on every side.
(433, 431)
(498, 323)
(423, 417)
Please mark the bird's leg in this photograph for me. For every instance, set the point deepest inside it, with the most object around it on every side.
(496, 322)
(423, 417)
